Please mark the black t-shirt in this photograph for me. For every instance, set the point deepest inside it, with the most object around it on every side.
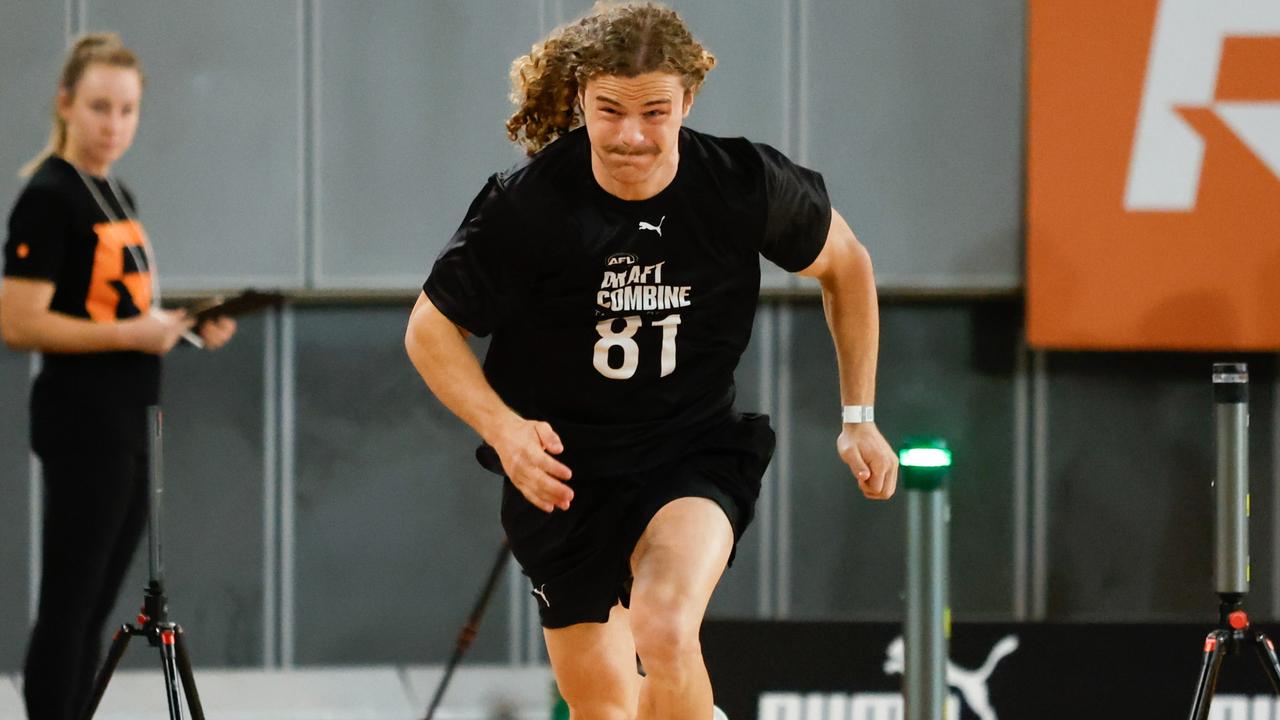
(621, 322)
(59, 233)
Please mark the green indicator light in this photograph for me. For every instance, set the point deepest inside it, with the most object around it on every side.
(925, 461)
(924, 457)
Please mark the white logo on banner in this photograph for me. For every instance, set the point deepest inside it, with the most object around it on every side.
(1240, 707)
(1182, 70)
(839, 706)
(971, 684)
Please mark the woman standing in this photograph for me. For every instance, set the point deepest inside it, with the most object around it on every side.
(80, 287)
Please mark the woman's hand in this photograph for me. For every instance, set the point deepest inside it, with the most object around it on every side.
(155, 332)
(217, 332)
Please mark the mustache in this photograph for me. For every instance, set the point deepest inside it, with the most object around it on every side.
(630, 151)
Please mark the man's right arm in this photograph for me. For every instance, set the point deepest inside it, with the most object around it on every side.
(439, 351)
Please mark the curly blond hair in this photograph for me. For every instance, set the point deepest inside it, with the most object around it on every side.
(621, 39)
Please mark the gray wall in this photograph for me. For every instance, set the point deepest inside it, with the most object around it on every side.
(219, 185)
(335, 145)
(320, 495)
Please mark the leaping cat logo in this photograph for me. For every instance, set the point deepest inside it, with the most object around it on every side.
(972, 684)
(656, 228)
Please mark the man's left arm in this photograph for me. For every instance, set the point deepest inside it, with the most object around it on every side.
(843, 268)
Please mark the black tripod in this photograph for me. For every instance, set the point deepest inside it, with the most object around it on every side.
(488, 459)
(1231, 541)
(468, 633)
(153, 620)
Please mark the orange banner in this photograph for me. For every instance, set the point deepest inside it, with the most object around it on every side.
(1153, 166)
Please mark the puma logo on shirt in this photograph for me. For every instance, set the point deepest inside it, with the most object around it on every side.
(656, 228)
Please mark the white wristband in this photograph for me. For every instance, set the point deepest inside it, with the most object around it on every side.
(858, 414)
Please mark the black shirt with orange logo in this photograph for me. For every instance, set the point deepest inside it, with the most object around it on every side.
(99, 268)
(621, 322)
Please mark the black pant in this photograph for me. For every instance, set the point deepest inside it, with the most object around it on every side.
(94, 513)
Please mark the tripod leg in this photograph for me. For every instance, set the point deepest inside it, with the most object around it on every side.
(444, 683)
(472, 627)
(188, 678)
(1267, 656)
(168, 663)
(1214, 651)
(118, 645)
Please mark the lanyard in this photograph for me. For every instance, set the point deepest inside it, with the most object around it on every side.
(108, 211)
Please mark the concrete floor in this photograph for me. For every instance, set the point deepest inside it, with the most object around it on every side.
(339, 693)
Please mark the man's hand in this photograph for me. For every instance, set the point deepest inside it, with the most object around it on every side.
(526, 448)
(869, 456)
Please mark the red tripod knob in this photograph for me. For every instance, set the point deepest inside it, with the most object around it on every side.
(1238, 619)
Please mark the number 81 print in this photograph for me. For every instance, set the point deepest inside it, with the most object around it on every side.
(630, 350)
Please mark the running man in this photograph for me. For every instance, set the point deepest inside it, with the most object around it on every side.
(617, 270)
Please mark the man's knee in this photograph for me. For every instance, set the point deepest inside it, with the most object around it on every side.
(599, 710)
(600, 690)
(608, 696)
(666, 635)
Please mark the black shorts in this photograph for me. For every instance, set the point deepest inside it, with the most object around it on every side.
(579, 560)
